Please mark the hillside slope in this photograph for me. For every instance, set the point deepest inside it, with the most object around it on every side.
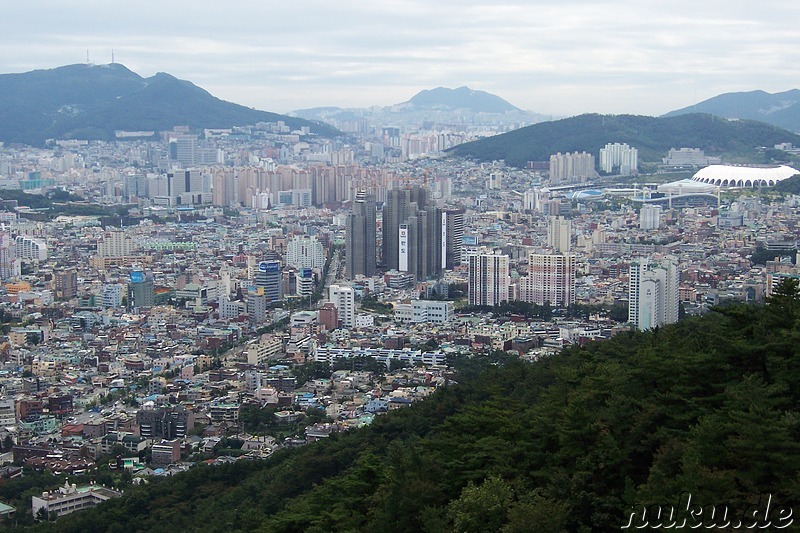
(779, 109)
(576, 441)
(653, 137)
(92, 101)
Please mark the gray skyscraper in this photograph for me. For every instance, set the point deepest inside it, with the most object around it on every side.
(452, 233)
(361, 237)
(396, 211)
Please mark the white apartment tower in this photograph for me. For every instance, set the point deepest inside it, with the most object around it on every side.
(305, 251)
(489, 280)
(650, 217)
(344, 298)
(619, 156)
(653, 296)
(559, 233)
(115, 244)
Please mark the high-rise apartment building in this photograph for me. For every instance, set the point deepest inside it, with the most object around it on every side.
(489, 279)
(452, 237)
(571, 167)
(344, 298)
(650, 217)
(305, 251)
(559, 234)
(30, 248)
(551, 279)
(653, 295)
(412, 233)
(115, 244)
(619, 157)
(361, 237)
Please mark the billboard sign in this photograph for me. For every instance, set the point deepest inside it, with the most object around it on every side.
(403, 250)
(269, 266)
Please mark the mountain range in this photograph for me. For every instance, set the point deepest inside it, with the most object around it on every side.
(85, 101)
(779, 109)
(736, 140)
(442, 105)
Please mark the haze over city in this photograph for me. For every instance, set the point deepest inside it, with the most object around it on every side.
(559, 58)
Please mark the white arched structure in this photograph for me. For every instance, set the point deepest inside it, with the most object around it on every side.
(743, 177)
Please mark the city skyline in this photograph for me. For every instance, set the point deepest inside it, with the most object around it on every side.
(560, 59)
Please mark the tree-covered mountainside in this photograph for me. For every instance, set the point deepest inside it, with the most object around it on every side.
(461, 98)
(653, 137)
(575, 441)
(92, 101)
(779, 109)
(791, 185)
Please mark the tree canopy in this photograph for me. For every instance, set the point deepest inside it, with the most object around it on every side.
(573, 441)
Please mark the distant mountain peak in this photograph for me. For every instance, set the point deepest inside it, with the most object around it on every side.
(461, 98)
(88, 101)
(779, 109)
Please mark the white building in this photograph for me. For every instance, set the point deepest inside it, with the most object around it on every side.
(432, 311)
(559, 234)
(305, 251)
(70, 498)
(653, 295)
(344, 298)
(30, 248)
(111, 295)
(115, 244)
(650, 217)
(619, 157)
(488, 279)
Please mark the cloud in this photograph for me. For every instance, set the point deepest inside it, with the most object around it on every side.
(560, 57)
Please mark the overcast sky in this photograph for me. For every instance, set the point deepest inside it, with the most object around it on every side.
(555, 57)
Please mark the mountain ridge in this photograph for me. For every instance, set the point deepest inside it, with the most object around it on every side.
(652, 136)
(92, 101)
(780, 109)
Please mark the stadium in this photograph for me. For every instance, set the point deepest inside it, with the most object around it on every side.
(743, 177)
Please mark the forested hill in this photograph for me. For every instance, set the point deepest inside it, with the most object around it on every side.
(573, 442)
(653, 137)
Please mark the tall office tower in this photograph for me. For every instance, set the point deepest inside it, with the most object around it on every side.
(489, 281)
(268, 278)
(361, 237)
(551, 278)
(452, 236)
(420, 244)
(184, 149)
(115, 244)
(396, 211)
(559, 234)
(66, 284)
(571, 167)
(650, 217)
(653, 295)
(344, 298)
(619, 157)
(305, 251)
(141, 290)
(135, 186)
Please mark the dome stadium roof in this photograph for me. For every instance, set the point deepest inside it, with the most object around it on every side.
(729, 176)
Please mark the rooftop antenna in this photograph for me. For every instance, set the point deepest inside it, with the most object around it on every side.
(87, 57)
(112, 56)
